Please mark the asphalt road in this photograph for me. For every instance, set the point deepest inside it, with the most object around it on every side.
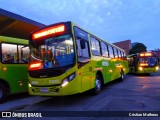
(137, 93)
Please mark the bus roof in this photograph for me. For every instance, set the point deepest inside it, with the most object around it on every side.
(13, 40)
(74, 24)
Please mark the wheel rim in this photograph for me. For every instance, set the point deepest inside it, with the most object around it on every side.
(98, 84)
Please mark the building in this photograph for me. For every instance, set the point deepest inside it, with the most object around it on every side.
(125, 45)
(13, 25)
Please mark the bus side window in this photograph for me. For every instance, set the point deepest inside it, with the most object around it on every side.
(95, 46)
(115, 53)
(23, 54)
(123, 54)
(82, 42)
(111, 55)
(104, 49)
(79, 50)
(82, 52)
(8, 52)
(120, 54)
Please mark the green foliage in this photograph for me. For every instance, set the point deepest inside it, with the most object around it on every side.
(139, 47)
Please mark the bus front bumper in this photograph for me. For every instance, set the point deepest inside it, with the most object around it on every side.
(148, 70)
(58, 90)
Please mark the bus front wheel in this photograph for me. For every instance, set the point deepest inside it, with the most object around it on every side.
(3, 93)
(98, 85)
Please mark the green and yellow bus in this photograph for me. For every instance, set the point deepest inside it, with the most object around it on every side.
(144, 62)
(65, 59)
(13, 66)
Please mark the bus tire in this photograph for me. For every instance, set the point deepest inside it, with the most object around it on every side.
(98, 85)
(3, 93)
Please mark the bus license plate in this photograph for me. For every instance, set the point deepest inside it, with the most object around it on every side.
(44, 90)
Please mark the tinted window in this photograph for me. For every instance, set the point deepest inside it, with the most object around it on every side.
(120, 54)
(10, 53)
(23, 54)
(115, 53)
(95, 47)
(124, 54)
(80, 33)
(151, 61)
(104, 49)
(110, 51)
(82, 52)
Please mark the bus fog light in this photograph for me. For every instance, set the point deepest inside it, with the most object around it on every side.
(29, 85)
(157, 68)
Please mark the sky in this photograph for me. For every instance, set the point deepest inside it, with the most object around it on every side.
(110, 20)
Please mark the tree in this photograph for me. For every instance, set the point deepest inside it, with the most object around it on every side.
(139, 47)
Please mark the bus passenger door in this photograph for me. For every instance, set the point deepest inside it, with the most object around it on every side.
(84, 65)
(83, 58)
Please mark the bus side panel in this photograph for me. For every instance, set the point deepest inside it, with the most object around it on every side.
(89, 72)
(112, 69)
(106, 74)
(85, 82)
(117, 69)
(119, 66)
(15, 74)
(87, 76)
(96, 66)
(126, 66)
(116, 66)
(104, 65)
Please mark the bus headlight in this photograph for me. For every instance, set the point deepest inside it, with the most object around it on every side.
(65, 82)
(71, 77)
(157, 68)
(141, 68)
(29, 85)
(68, 79)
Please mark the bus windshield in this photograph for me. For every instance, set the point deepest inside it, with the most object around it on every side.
(151, 61)
(54, 52)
